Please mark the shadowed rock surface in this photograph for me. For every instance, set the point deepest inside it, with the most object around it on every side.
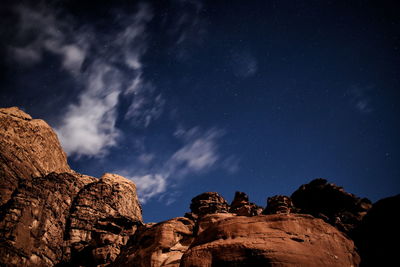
(28, 148)
(331, 203)
(378, 232)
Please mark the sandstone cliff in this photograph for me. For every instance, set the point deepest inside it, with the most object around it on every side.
(52, 216)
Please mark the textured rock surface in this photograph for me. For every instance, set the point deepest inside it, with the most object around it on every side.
(378, 232)
(50, 213)
(271, 240)
(279, 205)
(242, 207)
(157, 245)
(208, 203)
(331, 203)
(28, 148)
(32, 222)
(103, 216)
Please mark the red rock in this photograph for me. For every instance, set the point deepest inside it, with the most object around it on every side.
(157, 245)
(242, 207)
(28, 148)
(271, 240)
(279, 205)
(208, 203)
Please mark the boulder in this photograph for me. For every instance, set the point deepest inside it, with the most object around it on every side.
(28, 148)
(331, 203)
(271, 240)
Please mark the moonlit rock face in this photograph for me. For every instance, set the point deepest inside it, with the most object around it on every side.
(28, 148)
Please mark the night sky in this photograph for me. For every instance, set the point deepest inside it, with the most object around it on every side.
(185, 97)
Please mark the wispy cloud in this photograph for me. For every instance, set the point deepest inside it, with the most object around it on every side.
(198, 154)
(113, 69)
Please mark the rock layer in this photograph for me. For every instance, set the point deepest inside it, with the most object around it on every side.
(28, 148)
(271, 240)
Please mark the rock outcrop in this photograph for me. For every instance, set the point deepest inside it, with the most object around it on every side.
(279, 205)
(271, 240)
(331, 203)
(51, 215)
(158, 245)
(28, 148)
(241, 206)
(207, 203)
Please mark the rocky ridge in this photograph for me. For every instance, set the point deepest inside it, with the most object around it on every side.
(53, 216)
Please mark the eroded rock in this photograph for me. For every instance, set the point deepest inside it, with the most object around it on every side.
(331, 203)
(28, 148)
(242, 207)
(279, 205)
(271, 240)
(158, 245)
(208, 203)
(103, 216)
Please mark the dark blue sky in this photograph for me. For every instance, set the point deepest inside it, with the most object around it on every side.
(185, 97)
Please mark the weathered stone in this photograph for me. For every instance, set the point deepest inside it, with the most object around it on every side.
(158, 245)
(103, 216)
(208, 203)
(279, 205)
(28, 148)
(242, 207)
(32, 222)
(271, 240)
(331, 203)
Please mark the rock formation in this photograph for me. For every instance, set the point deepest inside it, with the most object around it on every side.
(28, 148)
(241, 206)
(279, 205)
(157, 245)
(271, 240)
(52, 216)
(331, 203)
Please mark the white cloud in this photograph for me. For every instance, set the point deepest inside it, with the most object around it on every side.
(149, 185)
(113, 69)
(198, 154)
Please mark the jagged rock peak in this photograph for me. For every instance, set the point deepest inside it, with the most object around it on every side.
(242, 207)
